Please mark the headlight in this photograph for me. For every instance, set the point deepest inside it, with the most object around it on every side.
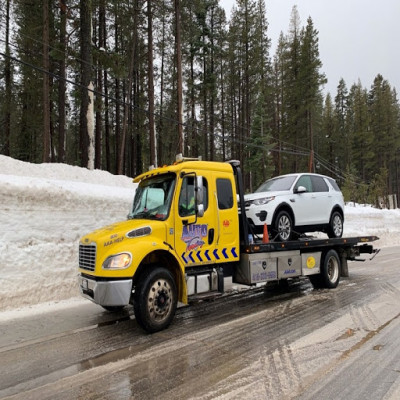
(119, 261)
(263, 201)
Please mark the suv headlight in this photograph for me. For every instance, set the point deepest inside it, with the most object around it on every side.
(119, 261)
(263, 201)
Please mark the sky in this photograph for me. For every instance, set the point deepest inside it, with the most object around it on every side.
(46, 208)
(358, 39)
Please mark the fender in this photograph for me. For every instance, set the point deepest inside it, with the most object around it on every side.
(284, 206)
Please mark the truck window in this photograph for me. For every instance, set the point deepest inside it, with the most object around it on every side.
(186, 204)
(224, 194)
(153, 198)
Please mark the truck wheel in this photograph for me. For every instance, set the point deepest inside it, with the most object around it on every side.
(330, 270)
(155, 300)
(335, 229)
(283, 226)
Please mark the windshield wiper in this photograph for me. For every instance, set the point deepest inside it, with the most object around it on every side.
(146, 215)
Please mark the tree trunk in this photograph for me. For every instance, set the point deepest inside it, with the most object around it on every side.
(99, 100)
(61, 83)
(179, 74)
(46, 84)
(212, 89)
(152, 133)
(7, 76)
(129, 90)
(161, 118)
(86, 111)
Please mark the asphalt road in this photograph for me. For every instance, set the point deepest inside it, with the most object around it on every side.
(264, 343)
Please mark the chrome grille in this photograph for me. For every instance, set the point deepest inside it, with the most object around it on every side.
(87, 256)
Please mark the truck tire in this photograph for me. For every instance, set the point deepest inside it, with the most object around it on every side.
(330, 270)
(283, 226)
(155, 300)
(335, 229)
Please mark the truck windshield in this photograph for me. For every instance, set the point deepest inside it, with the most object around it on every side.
(153, 198)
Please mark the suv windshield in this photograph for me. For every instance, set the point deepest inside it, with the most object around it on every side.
(277, 184)
(153, 198)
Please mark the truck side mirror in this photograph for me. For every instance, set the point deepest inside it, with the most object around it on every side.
(200, 210)
(199, 196)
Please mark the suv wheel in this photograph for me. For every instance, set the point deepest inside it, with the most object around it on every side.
(335, 229)
(283, 226)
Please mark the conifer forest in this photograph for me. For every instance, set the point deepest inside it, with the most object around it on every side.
(124, 84)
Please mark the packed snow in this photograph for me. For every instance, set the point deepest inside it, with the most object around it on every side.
(46, 208)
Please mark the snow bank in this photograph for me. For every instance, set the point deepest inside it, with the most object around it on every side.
(366, 220)
(46, 208)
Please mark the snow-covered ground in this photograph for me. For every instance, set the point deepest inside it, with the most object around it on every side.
(46, 208)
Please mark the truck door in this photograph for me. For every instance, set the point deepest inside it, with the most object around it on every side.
(195, 236)
(227, 234)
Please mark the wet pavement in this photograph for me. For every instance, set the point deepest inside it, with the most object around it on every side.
(263, 343)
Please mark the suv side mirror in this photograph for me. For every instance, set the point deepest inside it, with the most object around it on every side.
(300, 189)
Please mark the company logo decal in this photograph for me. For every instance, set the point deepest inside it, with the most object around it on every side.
(194, 236)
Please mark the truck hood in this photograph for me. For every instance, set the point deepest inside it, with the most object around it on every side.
(125, 230)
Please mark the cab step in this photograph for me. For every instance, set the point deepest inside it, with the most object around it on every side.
(204, 296)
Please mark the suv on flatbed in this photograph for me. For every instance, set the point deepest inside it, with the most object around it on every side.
(296, 203)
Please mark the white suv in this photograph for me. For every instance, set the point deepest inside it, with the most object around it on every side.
(296, 203)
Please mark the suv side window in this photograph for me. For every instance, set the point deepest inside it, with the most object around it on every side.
(224, 194)
(319, 184)
(186, 204)
(305, 181)
(334, 184)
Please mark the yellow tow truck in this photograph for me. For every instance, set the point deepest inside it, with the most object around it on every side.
(184, 234)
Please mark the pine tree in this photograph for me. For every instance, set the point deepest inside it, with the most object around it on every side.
(28, 136)
(362, 153)
(46, 82)
(384, 127)
(311, 80)
(86, 121)
(342, 137)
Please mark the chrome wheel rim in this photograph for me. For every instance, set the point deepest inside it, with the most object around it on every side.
(284, 227)
(337, 225)
(159, 300)
(333, 269)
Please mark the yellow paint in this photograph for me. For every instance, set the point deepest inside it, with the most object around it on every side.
(191, 240)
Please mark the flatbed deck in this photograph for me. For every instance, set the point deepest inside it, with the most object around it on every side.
(309, 243)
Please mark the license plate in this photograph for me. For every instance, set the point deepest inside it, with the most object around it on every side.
(84, 284)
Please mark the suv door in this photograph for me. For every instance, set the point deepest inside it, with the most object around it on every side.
(322, 199)
(301, 202)
(312, 207)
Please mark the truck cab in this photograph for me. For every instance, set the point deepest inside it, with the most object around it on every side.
(181, 231)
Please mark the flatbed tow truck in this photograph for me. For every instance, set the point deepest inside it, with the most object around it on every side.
(185, 234)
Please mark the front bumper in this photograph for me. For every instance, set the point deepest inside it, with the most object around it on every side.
(106, 293)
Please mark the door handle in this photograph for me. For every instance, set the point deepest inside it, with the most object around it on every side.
(210, 235)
